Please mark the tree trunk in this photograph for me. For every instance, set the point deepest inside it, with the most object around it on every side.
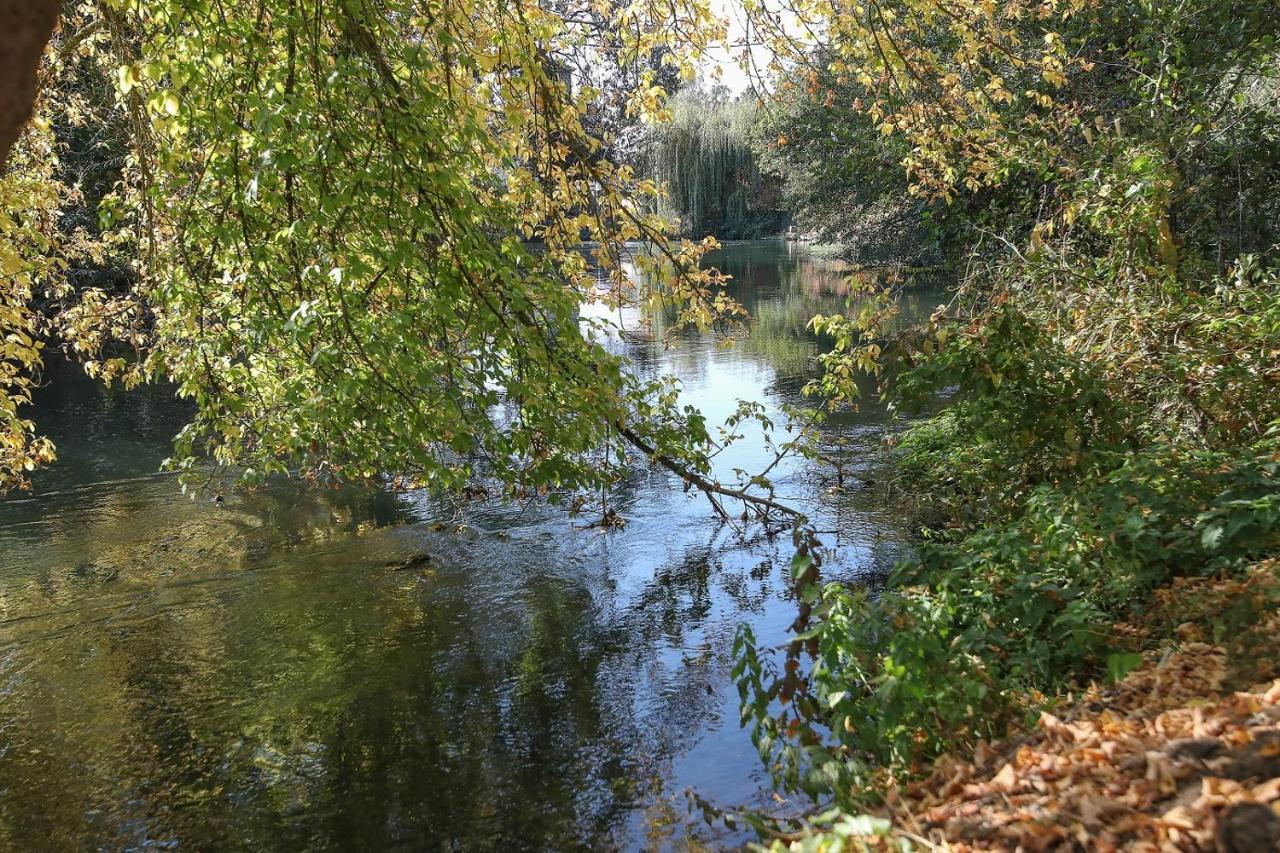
(25, 28)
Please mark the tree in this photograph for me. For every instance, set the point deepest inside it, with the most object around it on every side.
(358, 228)
(28, 25)
(702, 156)
(840, 174)
(28, 206)
(1107, 365)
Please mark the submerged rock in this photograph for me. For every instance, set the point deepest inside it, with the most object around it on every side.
(416, 562)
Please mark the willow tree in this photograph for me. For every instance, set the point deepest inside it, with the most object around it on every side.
(358, 229)
(701, 155)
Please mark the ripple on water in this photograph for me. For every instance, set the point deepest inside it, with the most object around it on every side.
(260, 673)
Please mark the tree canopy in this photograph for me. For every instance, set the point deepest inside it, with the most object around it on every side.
(353, 234)
(702, 155)
(355, 231)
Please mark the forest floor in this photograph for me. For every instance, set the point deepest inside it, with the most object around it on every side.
(1183, 753)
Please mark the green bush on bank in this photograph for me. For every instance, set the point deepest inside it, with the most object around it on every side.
(1110, 362)
(964, 638)
(1062, 506)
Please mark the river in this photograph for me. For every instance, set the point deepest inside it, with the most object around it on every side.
(255, 672)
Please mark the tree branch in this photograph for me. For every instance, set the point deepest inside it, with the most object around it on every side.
(25, 28)
(713, 490)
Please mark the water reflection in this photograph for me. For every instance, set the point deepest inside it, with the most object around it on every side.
(258, 673)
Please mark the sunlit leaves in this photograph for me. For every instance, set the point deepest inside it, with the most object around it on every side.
(949, 77)
(29, 200)
(340, 197)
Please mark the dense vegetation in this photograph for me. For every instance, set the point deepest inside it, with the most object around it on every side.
(1108, 171)
(840, 176)
(703, 155)
(351, 235)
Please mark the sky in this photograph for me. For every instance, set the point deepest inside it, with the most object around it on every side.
(727, 60)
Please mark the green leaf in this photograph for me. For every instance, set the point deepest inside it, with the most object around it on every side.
(1120, 664)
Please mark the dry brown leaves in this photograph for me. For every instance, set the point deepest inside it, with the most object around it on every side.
(1167, 759)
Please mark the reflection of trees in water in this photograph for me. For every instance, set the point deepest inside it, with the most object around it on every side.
(325, 701)
(63, 546)
(782, 292)
(299, 693)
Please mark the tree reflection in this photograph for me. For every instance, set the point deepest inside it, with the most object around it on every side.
(254, 673)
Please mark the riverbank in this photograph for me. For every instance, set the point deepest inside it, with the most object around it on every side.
(1182, 753)
(847, 253)
(1066, 540)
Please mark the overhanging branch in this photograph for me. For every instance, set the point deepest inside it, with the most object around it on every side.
(714, 491)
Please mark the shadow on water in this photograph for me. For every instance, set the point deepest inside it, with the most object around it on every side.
(259, 673)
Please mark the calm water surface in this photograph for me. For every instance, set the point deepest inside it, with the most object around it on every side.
(253, 674)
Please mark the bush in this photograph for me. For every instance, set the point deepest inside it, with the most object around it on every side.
(975, 631)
